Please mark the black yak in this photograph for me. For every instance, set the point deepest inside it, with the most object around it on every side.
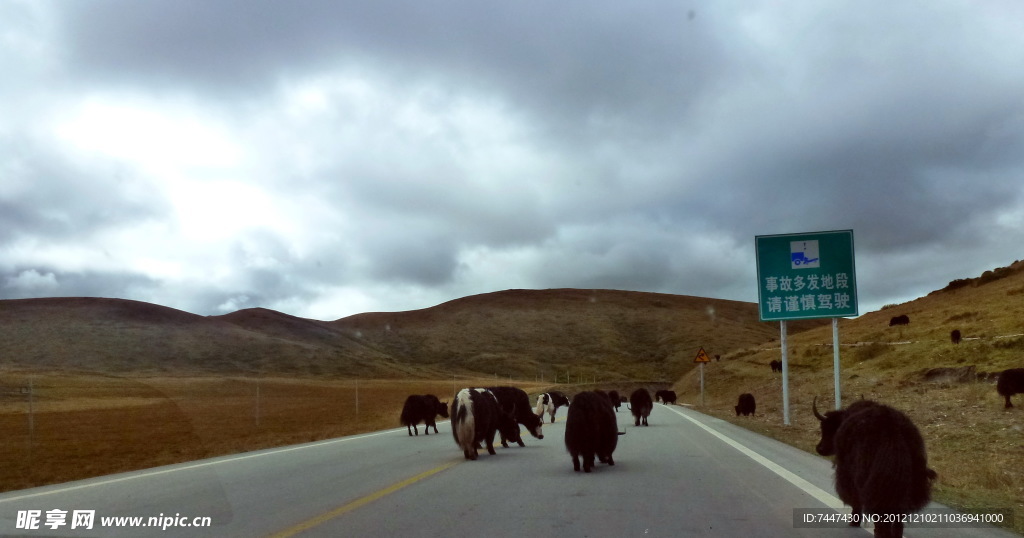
(954, 336)
(1010, 382)
(422, 408)
(899, 320)
(591, 430)
(515, 403)
(476, 416)
(665, 396)
(880, 462)
(776, 365)
(746, 405)
(613, 395)
(640, 404)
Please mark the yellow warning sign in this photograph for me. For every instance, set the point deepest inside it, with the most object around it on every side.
(702, 356)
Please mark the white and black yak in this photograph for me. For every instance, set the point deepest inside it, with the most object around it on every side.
(640, 404)
(880, 461)
(591, 430)
(476, 417)
(549, 402)
(515, 403)
(422, 408)
(1010, 382)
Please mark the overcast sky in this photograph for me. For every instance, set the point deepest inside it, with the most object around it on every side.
(325, 158)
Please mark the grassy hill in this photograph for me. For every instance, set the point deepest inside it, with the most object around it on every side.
(603, 334)
(526, 334)
(121, 336)
(973, 443)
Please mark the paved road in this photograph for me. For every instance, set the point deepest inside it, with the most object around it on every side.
(685, 474)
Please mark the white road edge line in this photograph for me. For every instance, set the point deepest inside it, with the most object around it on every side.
(821, 495)
(188, 467)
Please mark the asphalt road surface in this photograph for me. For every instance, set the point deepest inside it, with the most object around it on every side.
(686, 474)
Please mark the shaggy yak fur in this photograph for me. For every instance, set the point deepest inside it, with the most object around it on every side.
(591, 430)
(666, 396)
(746, 404)
(422, 408)
(640, 404)
(476, 417)
(880, 461)
(1010, 382)
(516, 404)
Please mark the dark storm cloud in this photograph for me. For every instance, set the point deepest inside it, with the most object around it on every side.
(420, 152)
(600, 63)
(898, 134)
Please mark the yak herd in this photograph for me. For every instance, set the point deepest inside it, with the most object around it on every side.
(478, 414)
(880, 462)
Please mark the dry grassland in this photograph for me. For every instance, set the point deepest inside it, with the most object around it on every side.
(975, 446)
(89, 425)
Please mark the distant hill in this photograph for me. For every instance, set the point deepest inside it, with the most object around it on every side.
(117, 336)
(524, 333)
(559, 332)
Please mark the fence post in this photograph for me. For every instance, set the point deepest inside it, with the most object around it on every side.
(257, 402)
(31, 416)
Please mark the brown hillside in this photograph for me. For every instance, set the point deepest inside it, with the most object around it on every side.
(959, 413)
(603, 334)
(527, 334)
(121, 336)
(276, 324)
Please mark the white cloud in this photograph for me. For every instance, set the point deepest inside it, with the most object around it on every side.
(165, 137)
(32, 280)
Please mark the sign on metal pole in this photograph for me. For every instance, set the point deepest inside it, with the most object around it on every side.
(806, 276)
(701, 358)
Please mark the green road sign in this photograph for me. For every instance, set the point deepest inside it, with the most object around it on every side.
(804, 276)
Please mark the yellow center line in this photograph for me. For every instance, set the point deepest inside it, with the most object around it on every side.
(323, 518)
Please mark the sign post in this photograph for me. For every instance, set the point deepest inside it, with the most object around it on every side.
(701, 358)
(806, 276)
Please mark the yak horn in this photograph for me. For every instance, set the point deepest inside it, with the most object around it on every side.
(814, 407)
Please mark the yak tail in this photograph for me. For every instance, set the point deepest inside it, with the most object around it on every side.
(407, 416)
